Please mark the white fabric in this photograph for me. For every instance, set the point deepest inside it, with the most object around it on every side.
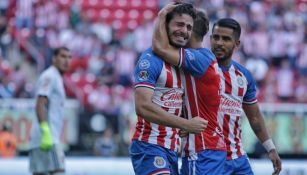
(50, 84)
(268, 145)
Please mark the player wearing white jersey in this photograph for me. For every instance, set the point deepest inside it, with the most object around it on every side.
(238, 94)
(46, 155)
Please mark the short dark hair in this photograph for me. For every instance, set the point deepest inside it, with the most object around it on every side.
(182, 8)
(201, 25)
(229, 23)
(57, 50)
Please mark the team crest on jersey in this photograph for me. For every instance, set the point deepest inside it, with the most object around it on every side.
(143, 75)
(46, 84)
(240, 81)
(159, 162)
(144, 64)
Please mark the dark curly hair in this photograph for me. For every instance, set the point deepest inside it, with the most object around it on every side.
(182, 8)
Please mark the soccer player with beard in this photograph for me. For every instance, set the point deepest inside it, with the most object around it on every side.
(46, 154)
(158, 102)
(238, 94)
(203, 153)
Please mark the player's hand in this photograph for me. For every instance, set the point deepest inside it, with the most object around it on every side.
(183, 133)
(166, 9)
(197, 125)
(46, 139)
(273, 155)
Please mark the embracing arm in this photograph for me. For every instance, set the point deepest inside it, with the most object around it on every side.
(153, 113)
(160, 43)
(257, 123)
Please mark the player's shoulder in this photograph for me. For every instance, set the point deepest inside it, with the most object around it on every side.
(49, 73)
(208, 52)
(148, 59)
(148, 53)
(205, 52)
(242, 69)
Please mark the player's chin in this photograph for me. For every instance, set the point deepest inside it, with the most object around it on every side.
(219, 55)
(64, 69)
(180, 43)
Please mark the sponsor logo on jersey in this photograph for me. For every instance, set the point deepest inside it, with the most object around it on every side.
(159, 162)
(143, 75)
(171, 95)
(172, 98)
(230, 106)
(144, 64)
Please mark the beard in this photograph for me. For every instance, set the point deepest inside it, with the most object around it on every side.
(227, 54)
(175, 44)
(172, 42)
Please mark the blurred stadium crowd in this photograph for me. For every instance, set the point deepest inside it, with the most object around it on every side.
(107, 36)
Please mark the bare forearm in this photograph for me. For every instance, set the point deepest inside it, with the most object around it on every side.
(41, 109)
(259, 129)
(153, 113)
(41, 112)
(160, 38)
(256, 121)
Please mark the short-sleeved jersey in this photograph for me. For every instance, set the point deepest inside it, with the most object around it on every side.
(202, 86)
(50, 84)
(237, 87)
(152, 72)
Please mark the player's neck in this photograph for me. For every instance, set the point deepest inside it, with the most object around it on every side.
(224, 62)
(195, 45)
(58, 69)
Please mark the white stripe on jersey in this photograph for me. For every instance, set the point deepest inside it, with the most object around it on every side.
(191, 139)
(154, 133)
(167, 94)
(169, 131)
(237, 99)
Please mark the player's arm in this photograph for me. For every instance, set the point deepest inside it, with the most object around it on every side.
(41, 109)
(257, 123)
(255, 118)
(189, 59)
(160, 44)
(153, 113)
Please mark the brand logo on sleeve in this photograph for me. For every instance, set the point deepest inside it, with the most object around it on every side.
(144, 64)
(143, 75)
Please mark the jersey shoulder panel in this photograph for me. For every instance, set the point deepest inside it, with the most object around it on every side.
(197, 61)
(147, 69)
(250, 95)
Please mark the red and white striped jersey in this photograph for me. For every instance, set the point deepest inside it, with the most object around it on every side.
(237, 87)
(165, 80)
(202, 98)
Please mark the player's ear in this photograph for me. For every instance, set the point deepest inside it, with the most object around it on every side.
(237, 43)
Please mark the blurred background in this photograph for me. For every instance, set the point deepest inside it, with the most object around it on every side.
(106, 37)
